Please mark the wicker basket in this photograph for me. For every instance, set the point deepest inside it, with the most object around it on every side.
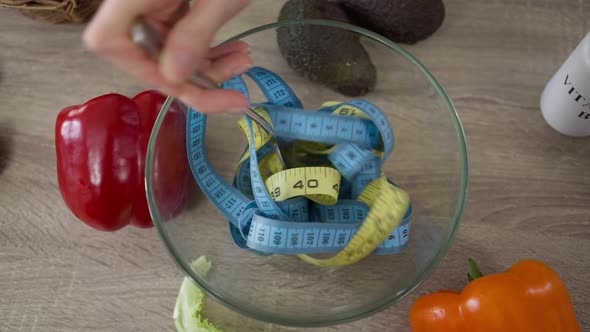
(55, 11)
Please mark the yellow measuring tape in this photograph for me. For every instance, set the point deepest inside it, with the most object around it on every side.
(388, 204)
(261, 137)
(319, 184)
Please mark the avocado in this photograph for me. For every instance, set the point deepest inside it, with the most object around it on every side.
(326, 55)
(402, 21)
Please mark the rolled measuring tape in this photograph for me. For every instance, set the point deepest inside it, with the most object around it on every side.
(332, 196)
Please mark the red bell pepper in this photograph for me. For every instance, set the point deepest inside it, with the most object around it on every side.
(101, 148)
(171, 172)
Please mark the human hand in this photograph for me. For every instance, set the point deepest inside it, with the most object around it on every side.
(188, 32)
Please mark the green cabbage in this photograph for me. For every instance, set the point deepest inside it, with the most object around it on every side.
(187, 311)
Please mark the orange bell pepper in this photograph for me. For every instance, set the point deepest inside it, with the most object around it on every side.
(530, 296)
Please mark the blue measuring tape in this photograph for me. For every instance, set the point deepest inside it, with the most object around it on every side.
(298, 225)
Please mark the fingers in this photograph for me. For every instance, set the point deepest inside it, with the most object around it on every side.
(188, 42)
(228, 66)
(220, 69)
(109, 35)
(112, 23)
(231, 47)
(213, 101)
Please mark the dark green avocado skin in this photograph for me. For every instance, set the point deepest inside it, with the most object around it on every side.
(402, 21)
(325, 55)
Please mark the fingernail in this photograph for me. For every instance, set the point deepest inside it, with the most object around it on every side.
(239, 69)
(176, 67)
(246, 50)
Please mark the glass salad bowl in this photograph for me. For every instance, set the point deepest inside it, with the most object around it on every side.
(428, 161)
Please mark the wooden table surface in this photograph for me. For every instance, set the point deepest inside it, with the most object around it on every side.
(530, 186)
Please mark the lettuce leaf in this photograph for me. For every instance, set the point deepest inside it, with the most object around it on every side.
(189, 303)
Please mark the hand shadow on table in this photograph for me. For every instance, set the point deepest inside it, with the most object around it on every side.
(6, 145)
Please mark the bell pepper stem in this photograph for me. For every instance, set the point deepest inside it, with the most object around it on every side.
(475, 272)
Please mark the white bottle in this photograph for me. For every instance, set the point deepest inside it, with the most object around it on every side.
(565, 101)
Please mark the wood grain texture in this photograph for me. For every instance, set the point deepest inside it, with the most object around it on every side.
(530, 187)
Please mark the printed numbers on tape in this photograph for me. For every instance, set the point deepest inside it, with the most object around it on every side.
(290, 212)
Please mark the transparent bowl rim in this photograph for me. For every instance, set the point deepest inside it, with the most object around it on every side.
(368, 309)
